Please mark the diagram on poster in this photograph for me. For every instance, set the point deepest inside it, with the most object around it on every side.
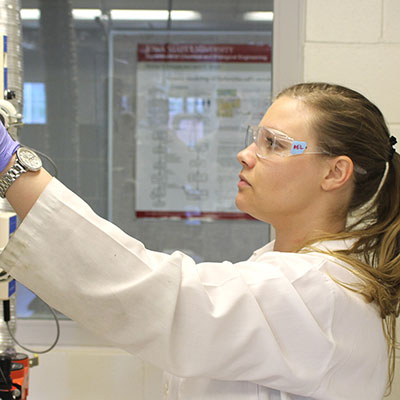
(193, 106)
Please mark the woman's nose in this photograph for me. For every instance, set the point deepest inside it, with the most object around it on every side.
(247, 156)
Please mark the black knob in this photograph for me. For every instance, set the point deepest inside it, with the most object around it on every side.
(10, 94)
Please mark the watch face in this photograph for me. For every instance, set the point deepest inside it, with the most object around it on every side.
(29, 159)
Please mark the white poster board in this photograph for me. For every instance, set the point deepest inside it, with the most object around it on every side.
(193, 106)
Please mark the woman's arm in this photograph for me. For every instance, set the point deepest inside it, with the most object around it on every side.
(24, 192)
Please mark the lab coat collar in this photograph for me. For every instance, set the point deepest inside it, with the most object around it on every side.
(330, 245)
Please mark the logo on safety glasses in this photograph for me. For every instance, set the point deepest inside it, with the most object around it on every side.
(298, 147)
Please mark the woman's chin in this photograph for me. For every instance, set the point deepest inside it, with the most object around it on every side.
(240, 204)
(243, 206)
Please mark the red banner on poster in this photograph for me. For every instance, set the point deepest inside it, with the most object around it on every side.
(231, 53)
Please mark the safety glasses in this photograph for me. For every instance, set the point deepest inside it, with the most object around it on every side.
(270, 141)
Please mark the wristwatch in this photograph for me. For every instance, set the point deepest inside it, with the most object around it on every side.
(27, 160)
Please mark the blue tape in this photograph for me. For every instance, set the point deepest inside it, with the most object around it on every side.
(13, 224)
(298, 147)
(12, 287)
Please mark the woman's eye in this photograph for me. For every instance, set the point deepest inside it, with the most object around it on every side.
(269, 142)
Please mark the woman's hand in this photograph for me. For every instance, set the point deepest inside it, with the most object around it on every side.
(8, 146)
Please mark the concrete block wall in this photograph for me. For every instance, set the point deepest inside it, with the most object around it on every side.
(357, 44)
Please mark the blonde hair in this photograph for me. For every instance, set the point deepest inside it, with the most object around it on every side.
(347, 123)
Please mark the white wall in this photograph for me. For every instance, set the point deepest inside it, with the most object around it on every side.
(93, 373)
(354, 43)
(357, 44)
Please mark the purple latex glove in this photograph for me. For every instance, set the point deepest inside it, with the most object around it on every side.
(8, 146)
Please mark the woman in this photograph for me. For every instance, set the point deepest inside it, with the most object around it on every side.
(301, 319)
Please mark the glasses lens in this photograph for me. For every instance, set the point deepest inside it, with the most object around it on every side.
(249, 136)
(265, 141)
(268, 141)
(283, 146)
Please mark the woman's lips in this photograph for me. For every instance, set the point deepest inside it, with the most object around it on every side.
(243, 181)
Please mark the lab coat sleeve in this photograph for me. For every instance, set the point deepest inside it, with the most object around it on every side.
(265, 321)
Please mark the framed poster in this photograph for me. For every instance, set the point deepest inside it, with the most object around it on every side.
(194, 102)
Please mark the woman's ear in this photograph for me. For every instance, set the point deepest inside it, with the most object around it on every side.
(338, 173)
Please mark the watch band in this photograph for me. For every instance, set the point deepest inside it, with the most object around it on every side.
(10, 177)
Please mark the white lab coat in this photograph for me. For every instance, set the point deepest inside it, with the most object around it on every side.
(273, 327)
